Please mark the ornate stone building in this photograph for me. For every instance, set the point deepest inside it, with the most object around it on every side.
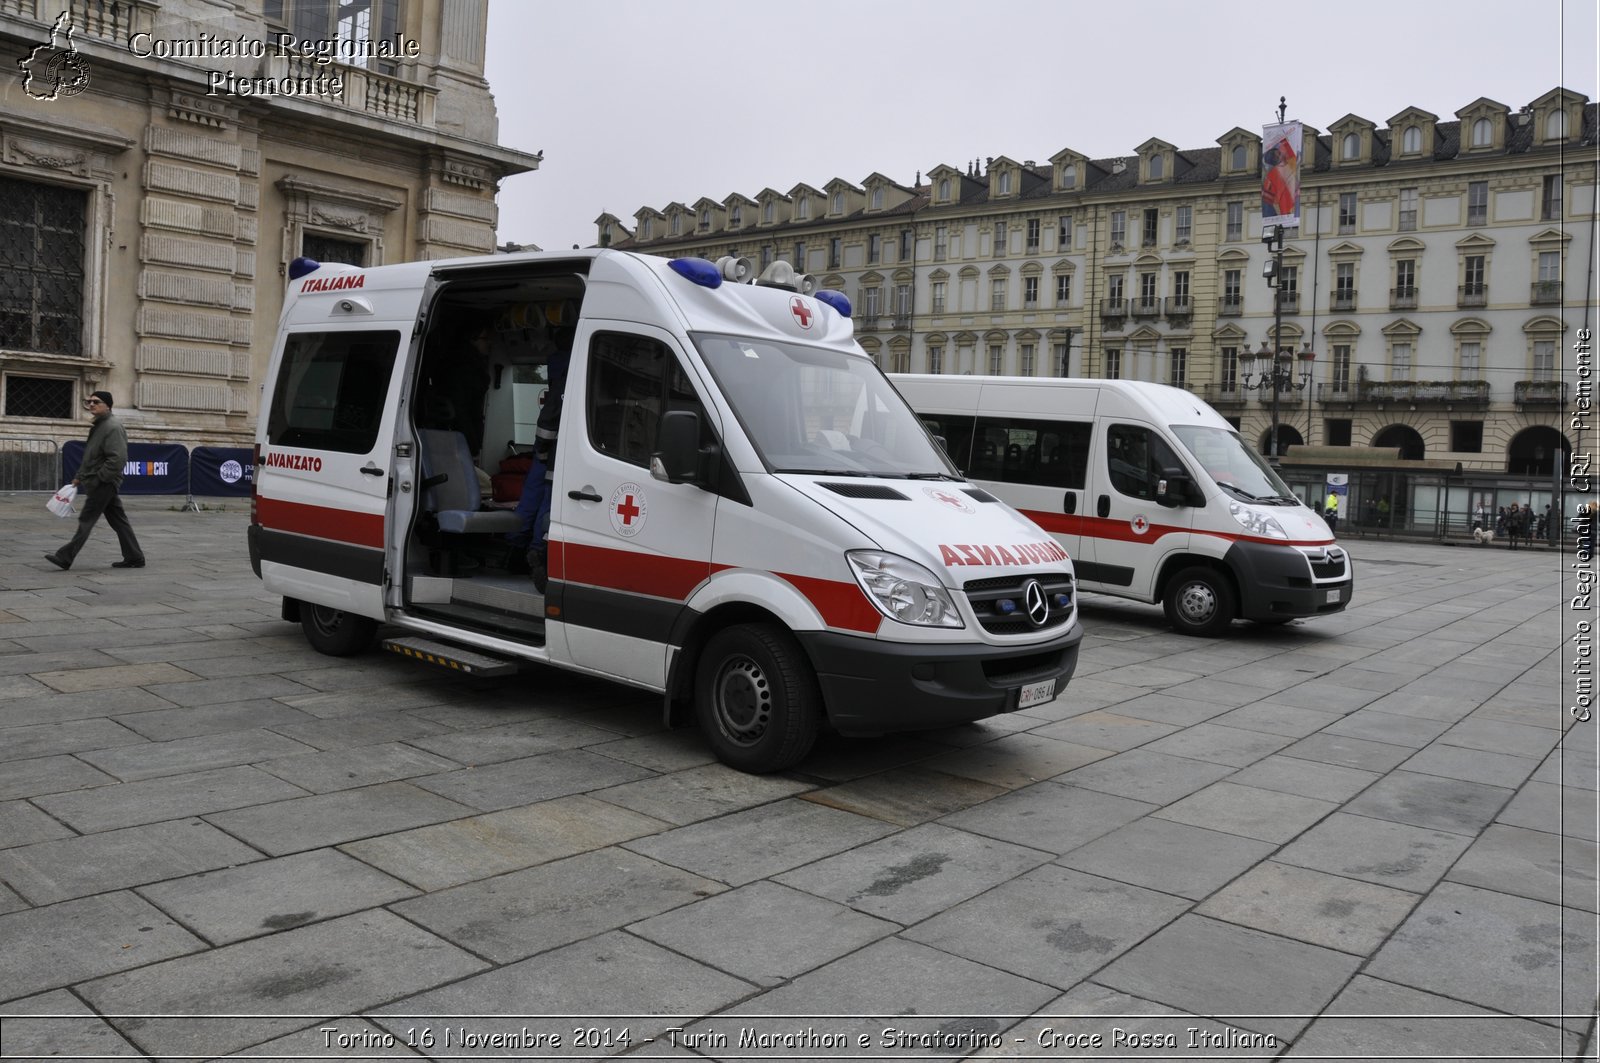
(1441, 271)
(162, 161)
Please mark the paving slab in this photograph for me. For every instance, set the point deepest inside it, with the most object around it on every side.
(1387, 727)
(1220, 745)
(1289, 775)
(65, 944)
(1274, 717)
(265, 897)
(172, 797)
(1248, 811)
(149, 760)
(701, 792)
(1052, 925)
(74, 736)
(167, 724)
(1473, 765)
(1511, 954)
(303, 823)
(1498, 736)
(1558, 809)
(47, 872)
(58, 1024)
(48, 775)
(1145, 775)
(463, 850)
(113, 677)
(1312, 906)
(346, 769)
(1107, 730)
(1431, 801)
(1174, 858)
(516, 915)
(1347, 752)
(1373, 850)
(271, 985)
(538, 778)
(526, 738)
(1050, 816)
(761, 842)
(1533, 864)
(909, 876)
(905, 796)
(23, 824)
(1273, 985)
(765, 933)
(1017, 760)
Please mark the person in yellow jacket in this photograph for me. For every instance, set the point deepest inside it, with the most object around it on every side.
(1330, 511)
(99, 476)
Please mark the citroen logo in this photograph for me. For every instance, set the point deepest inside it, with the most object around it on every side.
(1033, 598)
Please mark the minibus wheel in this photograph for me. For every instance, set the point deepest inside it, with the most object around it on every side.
(335, 632)
(1200, 601)
(756, 698)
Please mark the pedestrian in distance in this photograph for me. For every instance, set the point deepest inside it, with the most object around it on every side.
(1330, 512)
(99, 476)
(1525, 522)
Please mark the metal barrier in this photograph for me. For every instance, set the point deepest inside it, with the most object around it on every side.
(29, 464)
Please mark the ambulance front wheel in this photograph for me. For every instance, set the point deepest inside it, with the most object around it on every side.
(1200, 601)
(756, 698)
(334, 632)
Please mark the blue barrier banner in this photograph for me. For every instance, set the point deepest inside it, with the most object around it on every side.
(221, 471)
(152, 469)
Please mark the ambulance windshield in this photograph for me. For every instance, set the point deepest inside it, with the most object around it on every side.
(1235, 467)
(812, 410)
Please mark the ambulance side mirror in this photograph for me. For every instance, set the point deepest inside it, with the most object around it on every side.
(1174, 488)
(677, 458)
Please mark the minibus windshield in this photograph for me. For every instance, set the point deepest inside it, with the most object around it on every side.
(812, 410)
(1240, 471)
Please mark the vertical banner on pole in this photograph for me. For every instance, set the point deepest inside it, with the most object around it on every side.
(1280, 174)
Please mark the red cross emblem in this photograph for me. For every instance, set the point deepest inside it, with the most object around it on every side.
(801, 312)
(1140, 525)
(627, 510)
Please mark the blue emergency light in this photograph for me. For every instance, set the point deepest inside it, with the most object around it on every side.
(698, 270)
(301, 266)
(838, 300)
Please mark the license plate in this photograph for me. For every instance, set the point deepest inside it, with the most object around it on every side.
(1333, 596)
(1037, 694)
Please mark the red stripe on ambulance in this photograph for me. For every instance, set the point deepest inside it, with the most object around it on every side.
(342, 525)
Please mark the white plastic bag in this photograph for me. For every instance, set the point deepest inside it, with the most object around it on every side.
(61, 503)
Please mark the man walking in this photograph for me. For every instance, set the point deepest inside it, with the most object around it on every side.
(1330, 511)
(99, 476)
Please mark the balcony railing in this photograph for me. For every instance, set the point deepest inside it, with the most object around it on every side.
(867, 322)
(1146, 307)
(1424, 392)
(1545, 293)
(1403, 298)
(1230, 307)
(1540, 392)
(1342, 299)
(902, 320)
(1179, 306)
(1113, 308)
(1338, 391)
(1472, 295)
(365, 90)
(1289, 302)
(1223, 395)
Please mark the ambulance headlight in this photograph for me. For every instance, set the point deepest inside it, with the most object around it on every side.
(1257, 523)
(903, 590)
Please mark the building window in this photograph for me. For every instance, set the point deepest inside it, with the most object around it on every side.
(1030, 292)
(1289, 287)
(1064, 232)
(997, 294)
(1471, 360)
(736, 217)
(1119, 229)
(1352, 146)
(997, 359)
(944, 189)
(766, 256)
(1347, 213)
(1230, 370)
(1400, 361)
(350, 21)
(1341, 367)
(1069, 176)
(1344, 286)
(1113, 363)
(874, 247)
(800, 255)
(1180, 289)
(833, 252)
(1544, 359)
(1405, 284)
(1551, 210)
(999, 239)
(877, 198)
(1411, 140)
(33, 396)
(1408, 210)
(941, 243)
(1148, 300)
(935, 359)
(1232, 291)
(802, 207)
(1059, 352)
(1032, 235)
(1477, 202)
(1482, 133)
(1235, 230)
(766, 212)
(1466, 437)
(1337, 431)
(1555, 127)
(900, 361)
(838, 202)
(1238, 158)
(1473, 289)
(905, 245)
(902, 305)
(42, 251)
(1005, 182)
(322, 248)
(1114, 285)
(1178, 368)
(1184, 228)
(1063, 289)
(705, 220)
(938, 297)
(1026, 360)
(1157, 167)
(1152, 222)
(871, 299)
(645, 228)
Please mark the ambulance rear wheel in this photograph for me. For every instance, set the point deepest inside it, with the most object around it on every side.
(334, 632)
(1200, 601)
(756, 698)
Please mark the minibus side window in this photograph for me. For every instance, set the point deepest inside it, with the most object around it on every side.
(330, 390)
(1137, 459)
(1042, 453)
(956, 433)
(633, 380)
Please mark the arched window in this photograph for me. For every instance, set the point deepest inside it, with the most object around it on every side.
(1239, 157)
(1156, 167)
(1352, 145)
(877, 198)
(838, 202)
(1555, 126)
(944, 188)
(1482, 133)
(1069, 176)
(1411, 140)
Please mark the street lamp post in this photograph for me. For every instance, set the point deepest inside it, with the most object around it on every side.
(1272, 236)
(1276, 372)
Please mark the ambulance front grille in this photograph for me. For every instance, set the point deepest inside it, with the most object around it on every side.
(988, 595)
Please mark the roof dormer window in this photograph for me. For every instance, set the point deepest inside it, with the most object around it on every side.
(944, 189)
(677, 224)
(736, 217)
(1411, 140)
(1004, 185)
(803, 207)
(1352, 146)
(1157, 167)
(705, 220)
(766, 212)
(1482, 133)
(1238, 157)
(646, 230)
(877, 198)
(1555, 126)
(838, 202)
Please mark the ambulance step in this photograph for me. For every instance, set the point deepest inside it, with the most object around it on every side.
(455, 658)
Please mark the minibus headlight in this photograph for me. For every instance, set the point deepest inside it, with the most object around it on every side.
(903, 590)
(1257, 523)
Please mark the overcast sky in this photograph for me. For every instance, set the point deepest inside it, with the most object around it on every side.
(640, 103)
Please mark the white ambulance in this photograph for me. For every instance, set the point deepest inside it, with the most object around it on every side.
(746, 516)
(1153, 494)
